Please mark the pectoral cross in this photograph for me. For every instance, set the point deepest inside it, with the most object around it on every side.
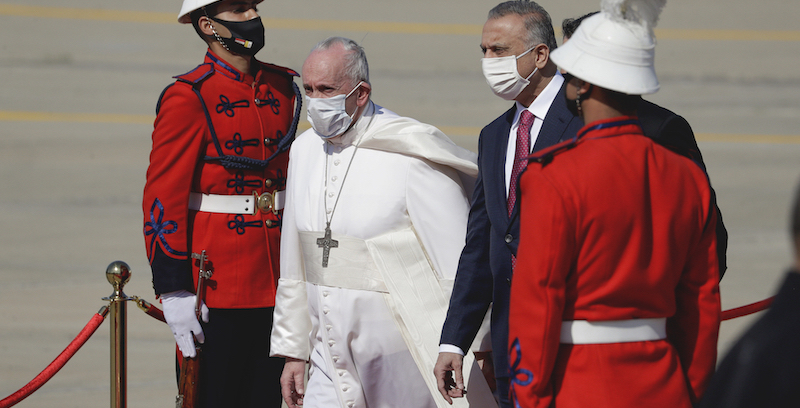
(326, 243)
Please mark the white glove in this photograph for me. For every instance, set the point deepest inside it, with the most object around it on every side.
(179, 314)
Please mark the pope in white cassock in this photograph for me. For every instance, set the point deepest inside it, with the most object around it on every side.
(374, 223)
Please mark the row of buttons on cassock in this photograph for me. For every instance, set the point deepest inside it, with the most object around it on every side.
(331, 343)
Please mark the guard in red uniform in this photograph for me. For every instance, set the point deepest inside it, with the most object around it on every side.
(214, 187)
(615, 300)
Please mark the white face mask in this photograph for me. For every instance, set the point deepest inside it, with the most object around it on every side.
(328, 116)
(502, 76)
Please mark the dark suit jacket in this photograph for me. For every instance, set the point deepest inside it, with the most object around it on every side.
(669, 130)
(484, 270)
(673, 132)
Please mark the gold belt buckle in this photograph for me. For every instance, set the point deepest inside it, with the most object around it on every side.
(265, 202)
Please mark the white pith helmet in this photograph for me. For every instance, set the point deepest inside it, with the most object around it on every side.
(191, 5)
(615, 49)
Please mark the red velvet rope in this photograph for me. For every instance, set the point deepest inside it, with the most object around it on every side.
(58, 363)
(747, 309)
(149, 309)
(157, 314)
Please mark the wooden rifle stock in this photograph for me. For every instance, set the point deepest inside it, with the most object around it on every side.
(189, 380)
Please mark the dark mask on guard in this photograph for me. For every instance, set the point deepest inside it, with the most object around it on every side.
(247, 36)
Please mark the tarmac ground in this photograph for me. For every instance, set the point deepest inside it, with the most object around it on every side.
(81, 79)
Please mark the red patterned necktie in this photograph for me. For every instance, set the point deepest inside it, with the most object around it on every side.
(520, 156)
(520, 161)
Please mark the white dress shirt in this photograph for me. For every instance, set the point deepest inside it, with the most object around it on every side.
(539, 109)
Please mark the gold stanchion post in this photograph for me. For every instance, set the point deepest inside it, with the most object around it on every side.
(118, 273)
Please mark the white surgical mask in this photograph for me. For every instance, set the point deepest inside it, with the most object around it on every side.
(328, 116)
(502, 76)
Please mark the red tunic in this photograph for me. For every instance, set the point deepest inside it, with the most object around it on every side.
(614, 227)
(219, 131)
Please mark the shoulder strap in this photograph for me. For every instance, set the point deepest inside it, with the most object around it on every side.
(545, 156)
(197, 75)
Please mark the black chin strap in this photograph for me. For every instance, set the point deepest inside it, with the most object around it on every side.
(584, 95)
(214, 30)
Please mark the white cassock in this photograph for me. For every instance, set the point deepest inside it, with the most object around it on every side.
(369, 322)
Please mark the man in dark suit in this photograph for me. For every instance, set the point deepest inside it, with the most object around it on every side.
(671, 131)
(761, 369)
(517, 40)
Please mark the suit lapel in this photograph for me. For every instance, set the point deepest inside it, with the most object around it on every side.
(495, 184)
(555, 122)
